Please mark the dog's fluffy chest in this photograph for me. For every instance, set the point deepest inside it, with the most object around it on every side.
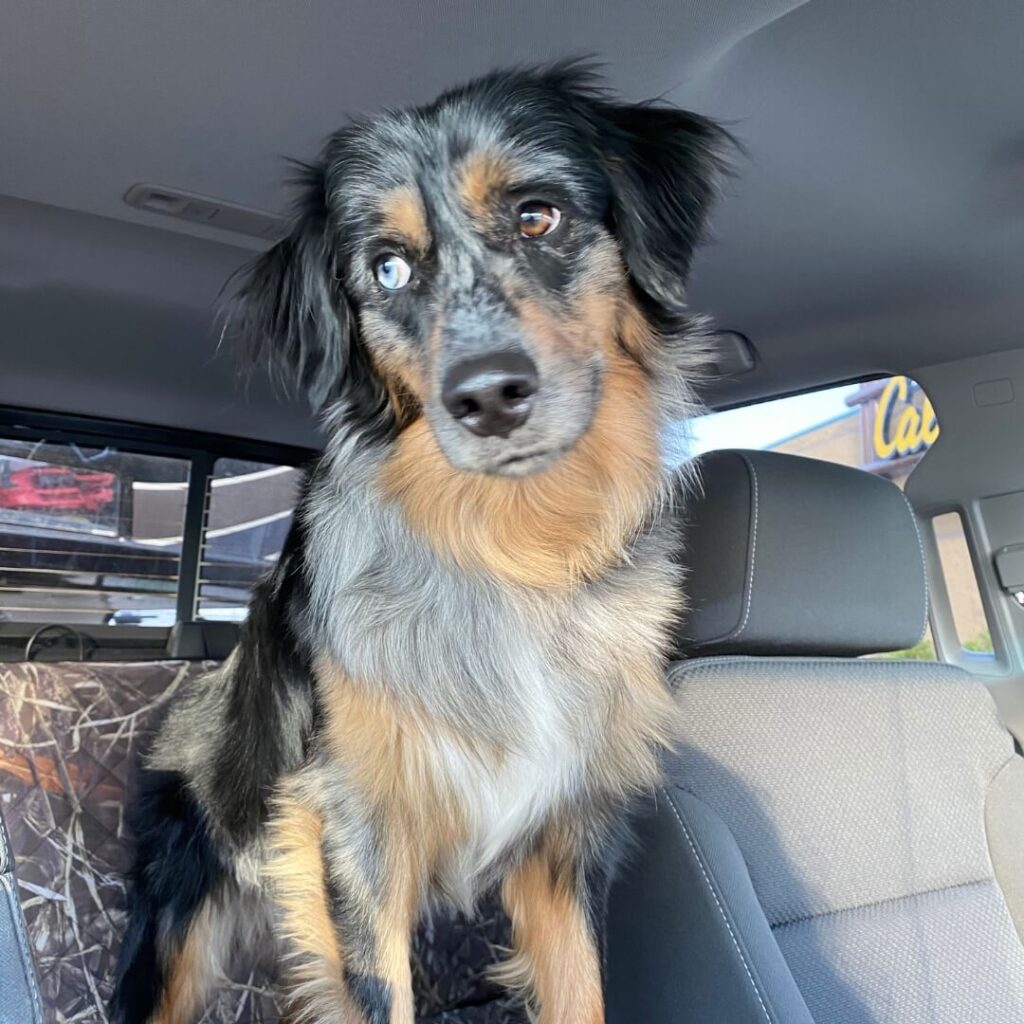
(504, 798)
(541, 717)
(496, 709)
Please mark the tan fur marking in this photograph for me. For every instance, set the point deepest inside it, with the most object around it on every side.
(295, 870)
(395, 363)
(637, 336)
(384, 748)
(556, 957)
(479, 178)
(403, 217)
(403, 404)
(403, 383)
(392, 354)
(394, 940)
(583, 331)
(550, 530)
(190, 973)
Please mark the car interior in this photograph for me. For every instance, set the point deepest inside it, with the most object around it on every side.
(839, 838)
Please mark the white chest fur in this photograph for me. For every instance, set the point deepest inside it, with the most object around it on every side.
(505, 799)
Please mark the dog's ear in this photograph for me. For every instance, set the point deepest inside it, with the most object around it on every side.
(665, 167)
(289, 311)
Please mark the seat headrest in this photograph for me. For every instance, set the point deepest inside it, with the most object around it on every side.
(794, 556)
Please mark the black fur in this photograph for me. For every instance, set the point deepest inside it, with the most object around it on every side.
(176, 867)
(293, 316)
(371, 995)
(271, 697)
(663, 164)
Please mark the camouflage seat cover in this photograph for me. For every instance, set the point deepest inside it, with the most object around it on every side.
(68, 732)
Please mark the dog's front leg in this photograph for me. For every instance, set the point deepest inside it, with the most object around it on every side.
(346, 906)
(556, 960)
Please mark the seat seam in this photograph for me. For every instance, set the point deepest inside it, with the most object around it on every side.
(999, 771)
(718, 903)
(1018, 926)
(924, 560)
(6, 882)
(683, 665)
(753, 550)
(987, 880)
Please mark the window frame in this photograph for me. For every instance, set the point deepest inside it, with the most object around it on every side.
(200, 450)
(209, 540)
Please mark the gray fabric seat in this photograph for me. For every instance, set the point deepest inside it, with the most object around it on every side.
(839, 840)
(19, 993)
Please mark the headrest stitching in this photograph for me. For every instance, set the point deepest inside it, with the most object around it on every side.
(748, 597)
(749, 600)
(686, 666)
(924, 561)
(694, 647)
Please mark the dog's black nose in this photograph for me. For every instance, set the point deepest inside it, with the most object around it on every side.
(491, 394)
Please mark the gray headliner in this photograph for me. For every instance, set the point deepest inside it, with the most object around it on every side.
(877, 225)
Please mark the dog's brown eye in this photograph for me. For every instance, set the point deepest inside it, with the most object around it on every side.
(536, 219)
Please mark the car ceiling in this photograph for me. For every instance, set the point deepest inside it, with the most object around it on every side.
(876, 222)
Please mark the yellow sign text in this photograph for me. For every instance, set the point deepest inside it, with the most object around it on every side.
(910, 431)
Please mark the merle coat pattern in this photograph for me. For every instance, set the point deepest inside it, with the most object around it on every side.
(452, 681)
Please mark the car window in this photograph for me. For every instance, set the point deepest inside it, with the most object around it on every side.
(969, 620)
(90, 535)
(111, 534)
(249, 513)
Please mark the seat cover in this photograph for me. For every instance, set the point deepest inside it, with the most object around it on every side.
(69, 734)
(19, 992)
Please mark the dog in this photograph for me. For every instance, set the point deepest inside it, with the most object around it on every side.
(452, 683)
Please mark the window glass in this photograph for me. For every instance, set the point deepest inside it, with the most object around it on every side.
(248, 516)
(962, 584)
(882, 427)
(88, 535)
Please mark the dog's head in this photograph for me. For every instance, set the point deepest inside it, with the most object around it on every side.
(480, 262)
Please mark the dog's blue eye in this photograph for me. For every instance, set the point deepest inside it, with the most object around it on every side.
(392, 272)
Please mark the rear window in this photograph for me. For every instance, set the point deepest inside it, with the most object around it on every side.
(88, 534)
(249, 513)
(111, 534)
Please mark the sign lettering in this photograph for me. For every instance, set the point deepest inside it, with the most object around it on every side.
(912, 430)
